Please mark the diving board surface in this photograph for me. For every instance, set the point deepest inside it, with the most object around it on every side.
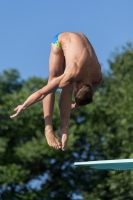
(120, 164)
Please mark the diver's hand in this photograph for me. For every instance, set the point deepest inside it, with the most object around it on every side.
(74, 106)
(19, 109)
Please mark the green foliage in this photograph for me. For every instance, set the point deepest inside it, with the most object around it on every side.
(30, 169)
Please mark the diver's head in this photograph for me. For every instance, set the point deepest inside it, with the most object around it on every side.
(84, 95)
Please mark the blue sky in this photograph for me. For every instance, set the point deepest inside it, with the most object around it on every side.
(28, 26)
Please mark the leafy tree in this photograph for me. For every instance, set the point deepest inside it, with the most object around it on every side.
(30, 169)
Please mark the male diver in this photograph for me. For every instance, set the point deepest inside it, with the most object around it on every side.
(73, 66)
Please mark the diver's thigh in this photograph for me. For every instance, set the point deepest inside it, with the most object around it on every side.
(56, 62)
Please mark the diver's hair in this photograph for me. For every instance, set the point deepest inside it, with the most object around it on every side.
(84, 95)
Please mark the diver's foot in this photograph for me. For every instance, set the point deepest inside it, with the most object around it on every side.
(63, 134)
(51, 139)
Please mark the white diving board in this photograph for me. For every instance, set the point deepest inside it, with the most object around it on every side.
(120, 164)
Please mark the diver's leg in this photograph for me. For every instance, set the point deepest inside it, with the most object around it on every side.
(65, 109)
(56, 68)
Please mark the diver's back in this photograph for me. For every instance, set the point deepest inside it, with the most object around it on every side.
(78, 49)
(76, 45)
